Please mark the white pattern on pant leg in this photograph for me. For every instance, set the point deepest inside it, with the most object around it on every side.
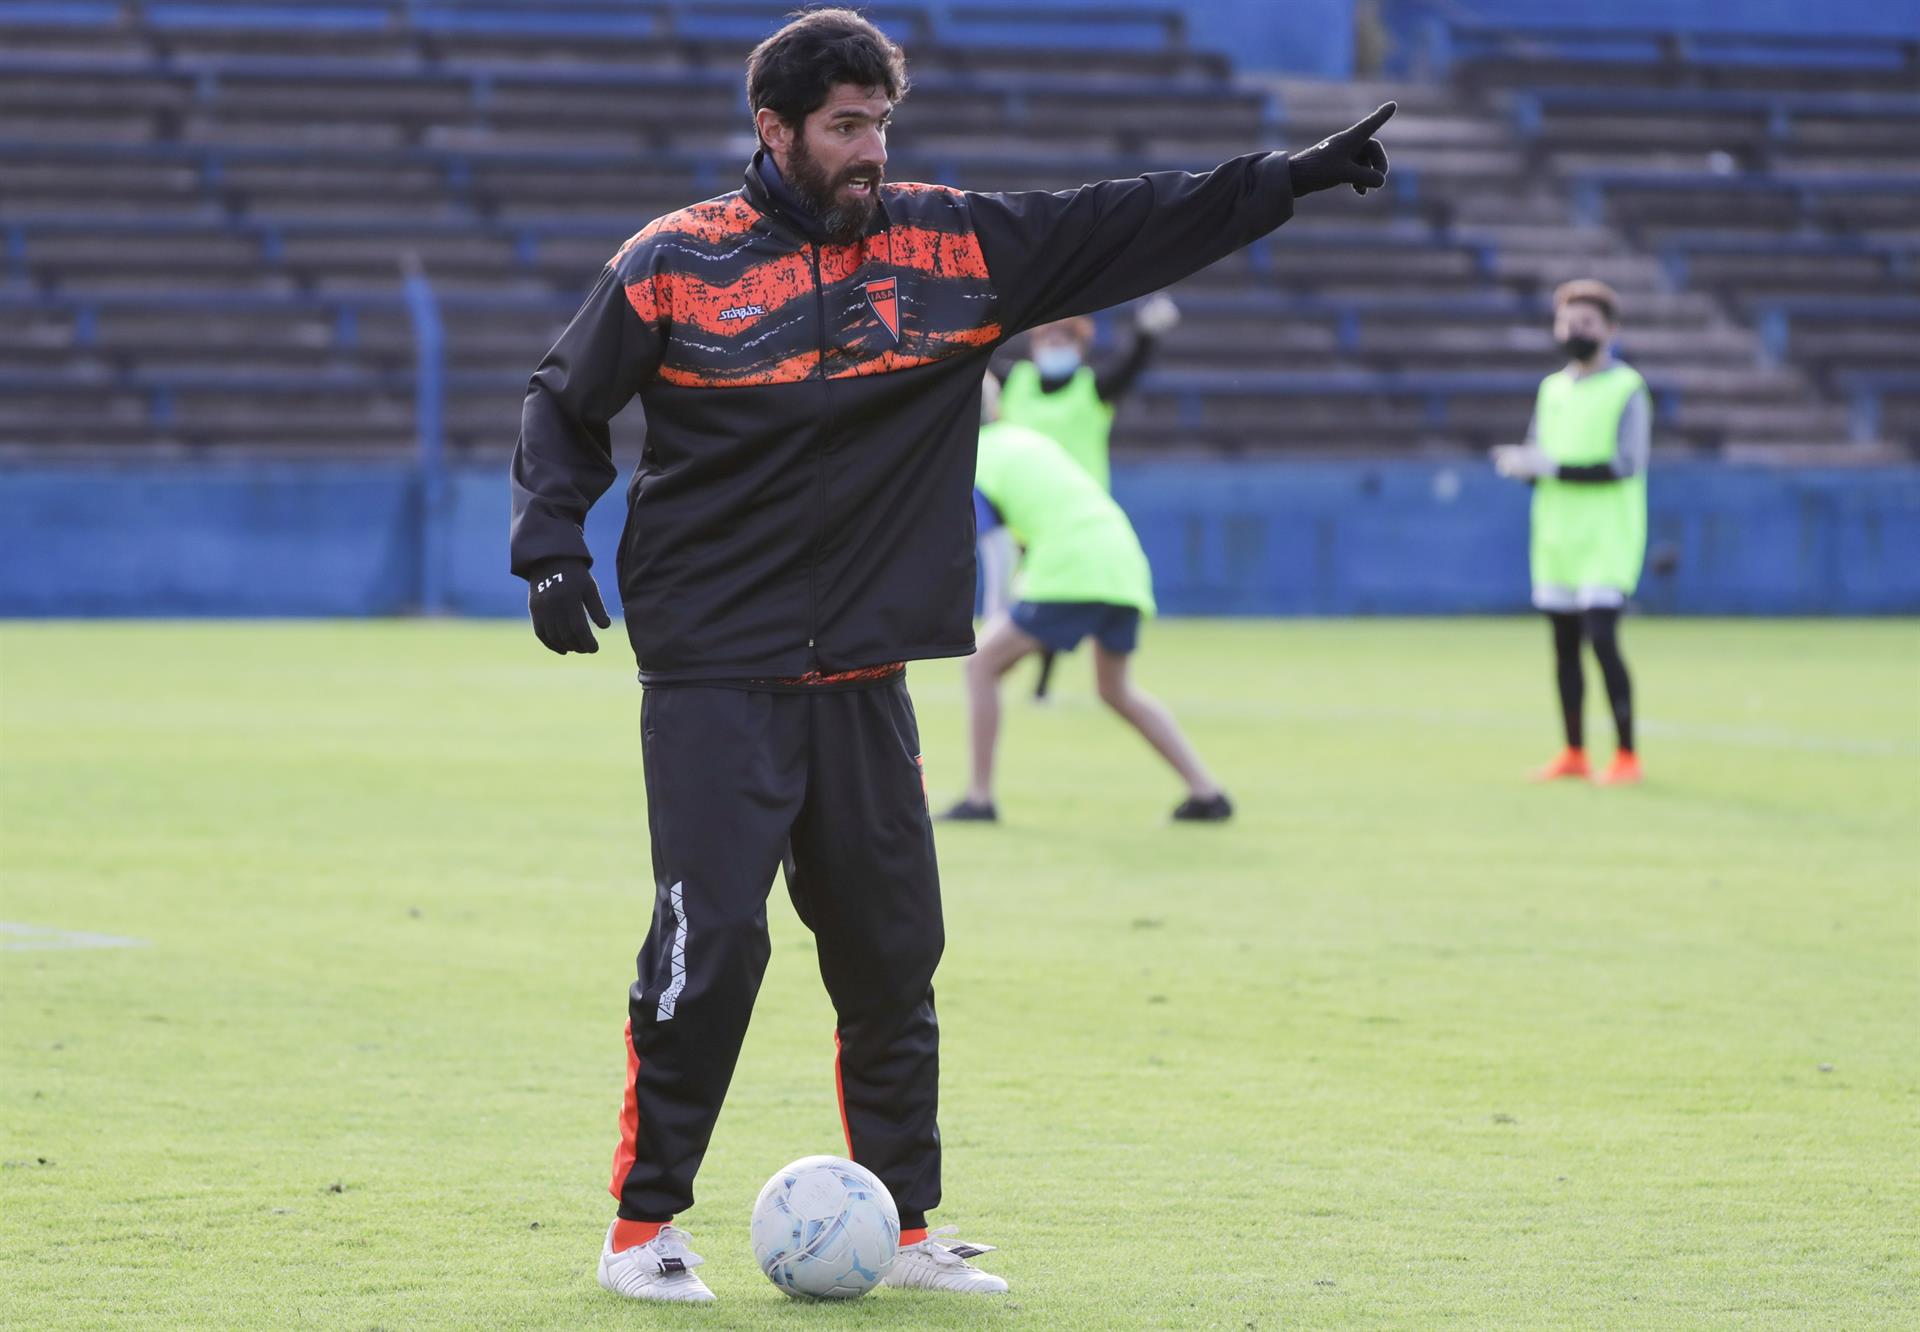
(677, 960)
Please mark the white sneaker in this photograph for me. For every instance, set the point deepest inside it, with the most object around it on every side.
(660, 1269)
(934, 1264)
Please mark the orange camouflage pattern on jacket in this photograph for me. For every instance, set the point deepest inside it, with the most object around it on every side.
(736, 305)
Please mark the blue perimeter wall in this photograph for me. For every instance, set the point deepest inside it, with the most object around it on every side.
(345, 539)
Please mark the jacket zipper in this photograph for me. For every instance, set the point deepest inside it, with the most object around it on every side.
(819, 466)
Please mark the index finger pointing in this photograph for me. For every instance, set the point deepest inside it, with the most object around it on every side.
(1377, 119)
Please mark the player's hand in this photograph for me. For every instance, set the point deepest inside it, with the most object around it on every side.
(1157, 315)
(560, 598)
(1351, 157)
(1522, 462)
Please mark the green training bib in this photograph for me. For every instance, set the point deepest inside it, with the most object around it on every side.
(1587, 534)
(1080, 546)
(1073, 416)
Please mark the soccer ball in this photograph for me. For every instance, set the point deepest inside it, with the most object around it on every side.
(825, 1229)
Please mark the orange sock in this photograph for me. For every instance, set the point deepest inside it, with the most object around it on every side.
(632, 1234)
(913, 1236)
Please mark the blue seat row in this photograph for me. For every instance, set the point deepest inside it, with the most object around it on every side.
(1434, 42)
(1112, 24)
(1779, 110)
(479, 79)
(1474, 306)
(1898, 252)
(1590, 188)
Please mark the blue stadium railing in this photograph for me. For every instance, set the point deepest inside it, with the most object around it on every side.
(429, 423)
(1867, 392)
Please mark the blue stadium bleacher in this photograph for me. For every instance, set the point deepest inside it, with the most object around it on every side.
(204, 207)
(1778, 174)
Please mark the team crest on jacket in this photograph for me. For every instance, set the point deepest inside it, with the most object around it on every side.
(882, 295)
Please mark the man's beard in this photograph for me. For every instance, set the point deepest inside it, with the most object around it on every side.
(843, 220)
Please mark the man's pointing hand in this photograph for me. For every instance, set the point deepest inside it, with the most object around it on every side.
(1351, 157)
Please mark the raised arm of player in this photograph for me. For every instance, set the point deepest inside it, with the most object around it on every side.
(1156, 317)
(1054, 255)
(564, 459)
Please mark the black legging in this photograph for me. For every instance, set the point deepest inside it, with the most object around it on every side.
(1601, 627)
(1046, 673)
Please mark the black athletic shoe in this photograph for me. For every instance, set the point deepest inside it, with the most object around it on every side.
(968, 812)
(1214, 809)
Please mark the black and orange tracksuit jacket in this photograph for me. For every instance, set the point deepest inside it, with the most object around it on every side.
(804, 500)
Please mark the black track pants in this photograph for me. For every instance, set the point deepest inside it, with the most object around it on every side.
(737, 782)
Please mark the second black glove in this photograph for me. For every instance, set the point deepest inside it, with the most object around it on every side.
(560, 598)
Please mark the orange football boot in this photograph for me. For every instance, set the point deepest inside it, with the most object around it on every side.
(1569, 763)
(1624, 772)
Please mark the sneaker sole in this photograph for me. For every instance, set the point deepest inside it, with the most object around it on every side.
(707, 1298)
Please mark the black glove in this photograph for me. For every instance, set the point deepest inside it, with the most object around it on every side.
(559, 598)
(1350, 157)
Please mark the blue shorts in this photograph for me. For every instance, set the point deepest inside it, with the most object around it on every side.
(1060, 625)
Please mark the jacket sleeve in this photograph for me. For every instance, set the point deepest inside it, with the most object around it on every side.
(564, 459)
(1050, 256)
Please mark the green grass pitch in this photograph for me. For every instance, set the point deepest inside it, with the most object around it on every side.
(1412, 1044)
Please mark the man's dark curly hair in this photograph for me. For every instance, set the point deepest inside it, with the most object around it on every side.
(793, 70)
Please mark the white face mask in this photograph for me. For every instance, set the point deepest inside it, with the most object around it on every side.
(1055, 361)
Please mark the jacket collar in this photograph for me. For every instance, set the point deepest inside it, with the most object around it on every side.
(769, 192)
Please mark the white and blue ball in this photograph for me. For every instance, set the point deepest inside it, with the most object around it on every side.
(825, 1229)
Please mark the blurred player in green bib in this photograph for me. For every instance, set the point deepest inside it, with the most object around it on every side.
(1084, 576)
(1586, 457)
(1058, 392)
